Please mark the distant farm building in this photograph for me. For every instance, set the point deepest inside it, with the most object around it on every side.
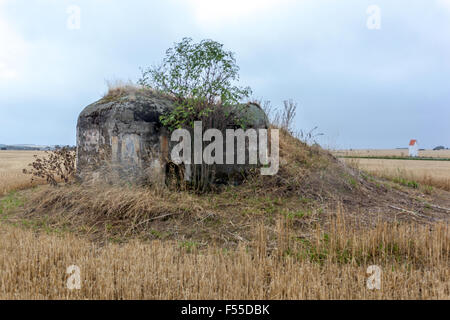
(413, 148)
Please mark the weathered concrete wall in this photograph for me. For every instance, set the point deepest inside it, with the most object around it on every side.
(124, 136)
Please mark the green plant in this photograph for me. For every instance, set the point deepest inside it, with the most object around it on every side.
(299, 214)
(353, 182)
(11, 201)
(428, 189)
(406, 183)
(200, 76)
(190, 246)
(413, 184)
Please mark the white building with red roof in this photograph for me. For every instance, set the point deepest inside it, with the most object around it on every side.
(413, 148)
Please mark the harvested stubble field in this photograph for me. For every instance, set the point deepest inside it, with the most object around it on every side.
(11, 165)
(425, 172)
(309, 232)
(392, 153)
(413, 260)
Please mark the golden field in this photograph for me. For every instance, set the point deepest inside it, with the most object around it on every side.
(413, 260)
(426, 172)
(11, 165)
(271, 259)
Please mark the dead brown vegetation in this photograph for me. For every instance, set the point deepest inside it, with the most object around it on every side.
(309, 187)
(55, 166)
(117, 89)
(309, 232)
(414, 261)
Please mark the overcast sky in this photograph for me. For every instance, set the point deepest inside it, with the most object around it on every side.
(363, 87)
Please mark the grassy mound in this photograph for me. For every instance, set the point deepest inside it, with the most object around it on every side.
(309, 232)
(309, 171)
(310, 187)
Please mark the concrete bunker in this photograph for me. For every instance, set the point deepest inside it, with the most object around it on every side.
(123, 135)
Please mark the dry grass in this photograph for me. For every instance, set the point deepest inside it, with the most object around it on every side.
(274, 237)
(114, 213)
(414, 261)
(117, 89)
(392, 153)
(308, 172)
(11, 165)
(431, 173)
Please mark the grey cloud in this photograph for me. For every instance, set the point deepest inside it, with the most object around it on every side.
(363, 88)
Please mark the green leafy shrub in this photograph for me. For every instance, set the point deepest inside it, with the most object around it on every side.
(201, 76)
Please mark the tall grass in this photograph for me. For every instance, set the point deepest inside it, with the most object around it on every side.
(268, 239)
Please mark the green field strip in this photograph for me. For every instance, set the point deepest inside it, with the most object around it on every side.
(394, 158)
